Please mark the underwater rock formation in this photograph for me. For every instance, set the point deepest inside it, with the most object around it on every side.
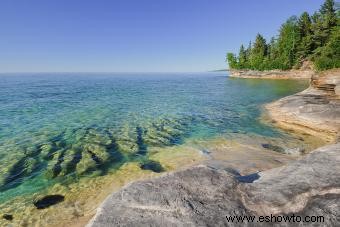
(48, 201)
(94, 150)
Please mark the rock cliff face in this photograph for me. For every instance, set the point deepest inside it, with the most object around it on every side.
(327, 82)
(202, 196)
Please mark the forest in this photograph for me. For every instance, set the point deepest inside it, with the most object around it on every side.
(308, 37)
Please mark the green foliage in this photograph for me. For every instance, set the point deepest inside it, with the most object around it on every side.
(232, 61)
(328, 56)
(288, 43)
(305, 46)
(258, 52)
(242, 57)
(313, 37)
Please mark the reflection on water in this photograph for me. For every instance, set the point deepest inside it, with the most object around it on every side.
(69, 130)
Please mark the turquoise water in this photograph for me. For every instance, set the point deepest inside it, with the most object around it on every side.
(58, 128)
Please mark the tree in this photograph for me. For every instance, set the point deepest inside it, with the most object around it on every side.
(329, 14)
(287, 43)
(323, 23)
(232, 61)
(305, 46)
(258, 52)
(242, 57)
(328, 56)
(315, 37)
(273, 54)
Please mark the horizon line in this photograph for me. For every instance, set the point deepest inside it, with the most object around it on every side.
(91, 72)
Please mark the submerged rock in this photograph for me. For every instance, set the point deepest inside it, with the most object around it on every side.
(48, 201)
(273, 147)
(153, 166)
(7, 217)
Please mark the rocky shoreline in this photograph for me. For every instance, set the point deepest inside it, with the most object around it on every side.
(206, 195)
(272, 74)
(305, 72)
(315, 111)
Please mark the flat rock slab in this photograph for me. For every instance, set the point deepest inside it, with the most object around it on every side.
(315, 110)
(203, 196)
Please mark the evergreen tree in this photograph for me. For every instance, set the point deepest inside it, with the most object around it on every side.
(273, 55)
(248, 52)
(287, 43)
(305, 46)
(242, 57)
(323, 23)
(258, 52)
(315, 37)
(232, 61)
(328, 13)
(328, 56)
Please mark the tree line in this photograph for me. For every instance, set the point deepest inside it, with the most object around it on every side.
(308, 37)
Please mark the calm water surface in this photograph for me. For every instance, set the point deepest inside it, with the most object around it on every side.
(58, 128)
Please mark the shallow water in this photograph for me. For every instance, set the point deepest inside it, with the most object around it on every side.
(66, 129)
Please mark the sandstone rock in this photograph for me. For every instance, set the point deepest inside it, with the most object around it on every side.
(203, 196)
(315, 111)
(273, 74)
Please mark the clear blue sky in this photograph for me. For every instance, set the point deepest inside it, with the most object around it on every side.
(134, 35)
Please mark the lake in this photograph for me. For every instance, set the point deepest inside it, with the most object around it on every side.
(66, 132)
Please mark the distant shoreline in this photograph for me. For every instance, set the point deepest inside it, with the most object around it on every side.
(273, 74)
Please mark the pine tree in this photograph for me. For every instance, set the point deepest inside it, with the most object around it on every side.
(315, 37)
(323, 23)
(329, 13)
(242, 59)
(248, 52)
(328, 56)
(232, 61)
(288, 43)
(305, 46)
(258, 52)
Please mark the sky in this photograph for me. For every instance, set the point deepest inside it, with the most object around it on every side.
(134, 35)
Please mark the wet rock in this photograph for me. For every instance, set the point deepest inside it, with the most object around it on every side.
(295, 151)
(71, 159)
(98, 151)
(7, 217)
(153, 166)
(273, 147)
(248, 178)
(86, 164)
(48, 201)
(205, 152)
